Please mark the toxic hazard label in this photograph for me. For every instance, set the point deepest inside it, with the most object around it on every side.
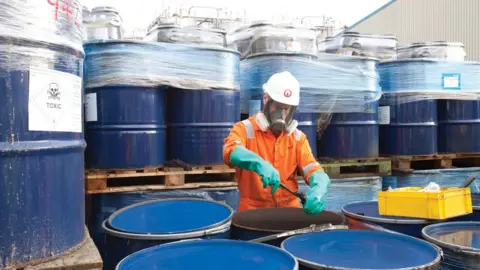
(55, 101)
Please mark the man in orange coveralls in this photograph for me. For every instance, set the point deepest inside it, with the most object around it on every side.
(267, 148)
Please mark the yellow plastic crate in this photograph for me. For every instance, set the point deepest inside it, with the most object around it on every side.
(409, 202)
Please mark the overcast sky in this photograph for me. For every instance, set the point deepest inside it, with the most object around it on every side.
(139, 13)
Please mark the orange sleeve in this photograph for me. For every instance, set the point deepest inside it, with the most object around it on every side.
(237, 136)
(305, 159)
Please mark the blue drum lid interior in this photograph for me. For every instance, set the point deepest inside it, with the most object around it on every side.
(210, 254)
(170, 216)
(361, 249)
(455, 235)
(368, 211)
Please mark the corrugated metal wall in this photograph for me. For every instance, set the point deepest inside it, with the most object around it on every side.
(424, 20)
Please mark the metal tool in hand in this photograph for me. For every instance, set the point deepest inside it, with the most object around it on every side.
(299, 195)
(311, 228)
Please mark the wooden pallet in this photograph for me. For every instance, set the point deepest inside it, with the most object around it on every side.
(157, 178)
(407, 164)
(360, 167)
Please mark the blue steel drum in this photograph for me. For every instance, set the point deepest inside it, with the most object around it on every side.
(351, 249)
(351, 135)
(460, 242)
(198, 122)
(211, 255)
(256, 223)
(101, 206)
(127, 128)
(42, 150)
(410, 128)
(458, 126)
(152, 223)
(365, 216)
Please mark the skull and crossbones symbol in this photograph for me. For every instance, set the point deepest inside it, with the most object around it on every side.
(53, 91)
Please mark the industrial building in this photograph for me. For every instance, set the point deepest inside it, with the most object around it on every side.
(422, 20)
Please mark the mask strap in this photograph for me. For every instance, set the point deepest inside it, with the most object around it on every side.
(262, 121)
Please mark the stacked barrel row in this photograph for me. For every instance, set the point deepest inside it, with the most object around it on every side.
(42, 212)
(430, 105)
(345, 86)
(149, 102)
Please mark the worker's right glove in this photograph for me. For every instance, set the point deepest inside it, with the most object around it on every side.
(247, 160)
(319, 184)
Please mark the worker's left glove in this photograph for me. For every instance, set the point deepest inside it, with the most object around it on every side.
(319, 184)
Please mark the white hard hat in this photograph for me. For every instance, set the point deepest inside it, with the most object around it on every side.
(284, 88)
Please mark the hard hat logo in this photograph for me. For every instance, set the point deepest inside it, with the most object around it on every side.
(287, 93)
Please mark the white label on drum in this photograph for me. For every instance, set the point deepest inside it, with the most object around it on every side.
(91, 107)
(55, 101)
(384, 115)
(451, 81)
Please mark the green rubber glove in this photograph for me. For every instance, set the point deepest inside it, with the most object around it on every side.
(319, 184)
(247, 160)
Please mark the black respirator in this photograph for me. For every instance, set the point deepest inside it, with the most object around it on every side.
(279, 118)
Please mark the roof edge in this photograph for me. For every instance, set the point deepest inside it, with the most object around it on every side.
(368, 16)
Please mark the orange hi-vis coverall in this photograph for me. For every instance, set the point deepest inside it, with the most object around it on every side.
(286, 153)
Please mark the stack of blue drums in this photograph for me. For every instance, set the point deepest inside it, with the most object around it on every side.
(431, 104)
(126, 125)
(200, 115)
(408, 125)
(353, 135)
(200, 119)
(41, 124)
(135, 90)
(459, 120)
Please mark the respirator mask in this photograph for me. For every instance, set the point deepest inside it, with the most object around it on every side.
(279, 116)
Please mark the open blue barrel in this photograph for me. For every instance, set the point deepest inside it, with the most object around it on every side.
(352, 249)
(256, 223)
(125, 123)
(460, 242)
(351, 135)
(42, 203)
(199, 121)
(458, 126)
(365, 216)
(212, 255)
(101, 206)
(152, 223)
(408, 128)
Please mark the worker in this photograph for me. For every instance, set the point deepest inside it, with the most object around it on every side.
(267, 148)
